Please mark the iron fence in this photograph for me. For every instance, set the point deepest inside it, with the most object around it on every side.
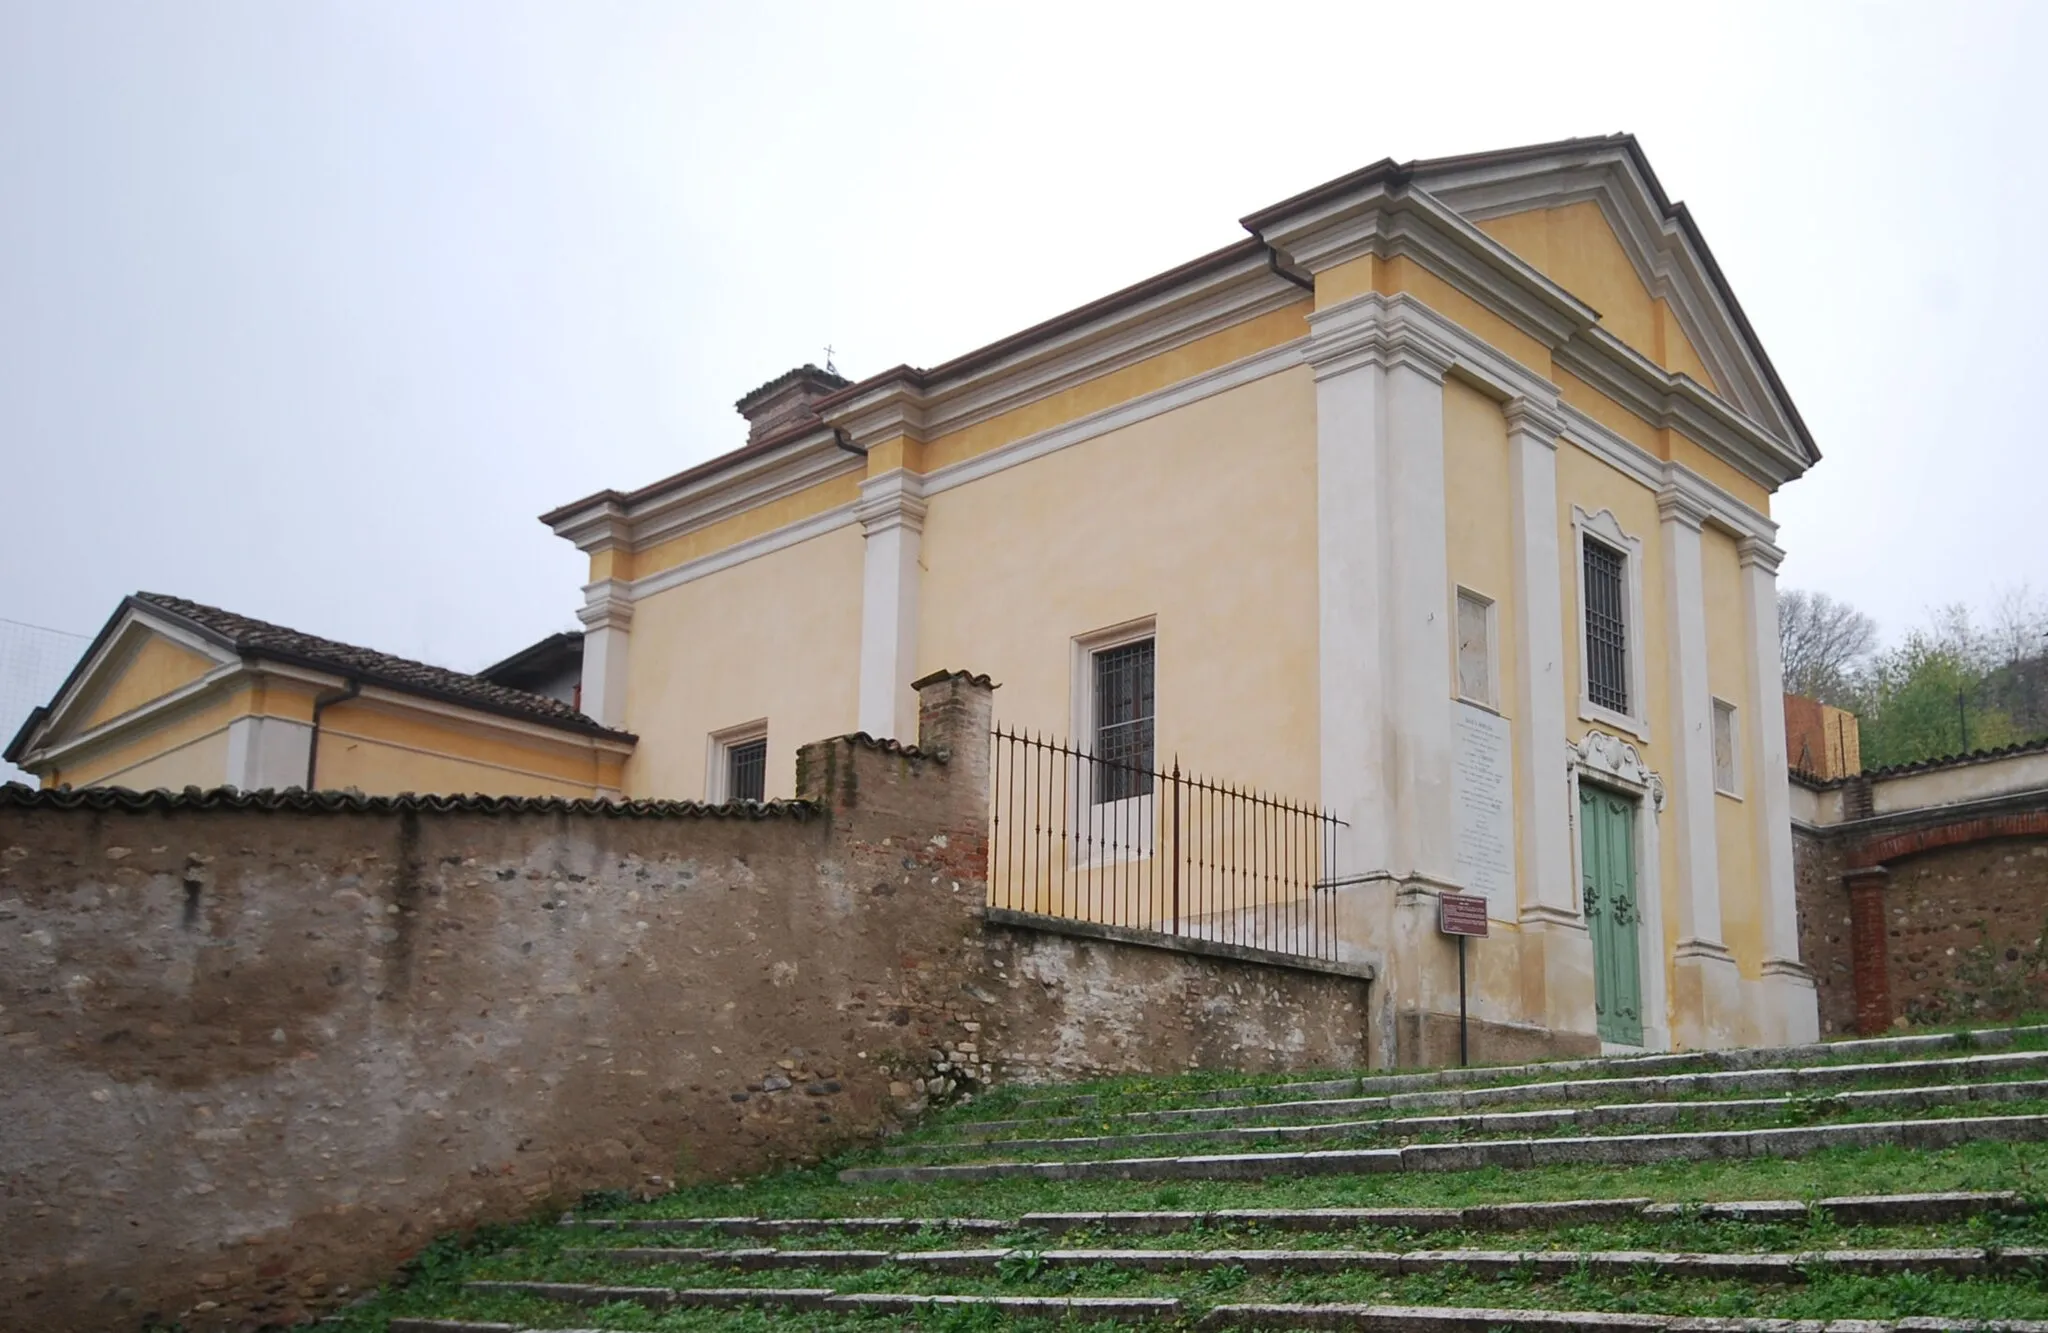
(1076, 835)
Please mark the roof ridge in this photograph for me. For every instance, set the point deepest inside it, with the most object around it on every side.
(250, 636)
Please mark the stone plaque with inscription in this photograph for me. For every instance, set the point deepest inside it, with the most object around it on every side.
(1483, 796)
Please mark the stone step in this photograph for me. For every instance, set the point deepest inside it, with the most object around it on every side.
(1856, 1210)
(1512, 1154)
(1457, 1319)
(1549, 1120)
(772, 1227)
(1860, 1210)
(1084, 1309)
(1781, 1079)
(1539, 1264)
(1753, 1057)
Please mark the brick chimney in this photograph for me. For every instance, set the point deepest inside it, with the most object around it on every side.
(786, 400)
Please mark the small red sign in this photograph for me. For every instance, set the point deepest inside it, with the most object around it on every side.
(1461, 914)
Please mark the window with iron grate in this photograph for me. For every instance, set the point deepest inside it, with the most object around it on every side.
(1123, 722)
(746, 770)
(1607, 670)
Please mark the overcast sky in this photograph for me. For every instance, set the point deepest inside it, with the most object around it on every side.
(308, 309)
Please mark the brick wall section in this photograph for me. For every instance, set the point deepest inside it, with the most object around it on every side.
(1952, 915)
(259, 1053)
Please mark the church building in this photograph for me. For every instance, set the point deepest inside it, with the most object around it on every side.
(1440, 501)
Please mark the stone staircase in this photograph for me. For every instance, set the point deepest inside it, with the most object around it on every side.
(1867, 1185)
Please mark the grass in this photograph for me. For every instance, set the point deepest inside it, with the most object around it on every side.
(434, 1283)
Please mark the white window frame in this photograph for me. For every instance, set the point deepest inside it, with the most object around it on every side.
(1715, 707)
(718, 759)
(1604, 528)
(1491, 607)
(1134, 815)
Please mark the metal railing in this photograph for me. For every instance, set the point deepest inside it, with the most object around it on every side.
(1091, 839)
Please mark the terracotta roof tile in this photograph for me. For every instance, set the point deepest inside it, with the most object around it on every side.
(259, 638)
(17, 796)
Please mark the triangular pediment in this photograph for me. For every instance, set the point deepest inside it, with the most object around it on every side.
(1590, 215)
(139, 659)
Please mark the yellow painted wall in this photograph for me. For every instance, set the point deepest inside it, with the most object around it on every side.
(775, 637)
(1479, 525)
(1120, 386)
(807, 503)
(1742, 905)
(1203, 517)
(154, 669)
(1574, 247)
(189, 749)
(384, 749)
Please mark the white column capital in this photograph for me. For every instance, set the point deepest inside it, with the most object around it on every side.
(608, 604)
(1533, 420)
(893, 500)
(1677, 505)
(1367, 331)
(1756, 553)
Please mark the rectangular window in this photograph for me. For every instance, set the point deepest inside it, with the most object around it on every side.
(1606, 626)
(1123, 722)
(1724, 747)
(746, 770)
(1475, 648)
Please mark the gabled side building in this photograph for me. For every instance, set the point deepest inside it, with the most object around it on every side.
(173, 693)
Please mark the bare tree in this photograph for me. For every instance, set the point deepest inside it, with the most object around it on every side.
(1826, 645)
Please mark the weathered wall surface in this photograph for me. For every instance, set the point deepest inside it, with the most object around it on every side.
(1824, 928)
(1927, 913)
(260, 1051)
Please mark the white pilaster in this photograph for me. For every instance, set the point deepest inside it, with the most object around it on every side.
(1539, 697)
(891, 512)
(1351, 524)
(1708, 1001)
(1418, 611)
(267, 752)
(607, 616)
(1794, 1014)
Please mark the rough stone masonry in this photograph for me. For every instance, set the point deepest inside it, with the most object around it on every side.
(261, 1048)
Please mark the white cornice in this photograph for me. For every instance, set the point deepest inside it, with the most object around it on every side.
(1209, 303)
(1193, 389)
(1408, 224)
(1639, 464)
(789, 534)
(888, 411)
(1680, 403)
(1656, 246)
(797, 465)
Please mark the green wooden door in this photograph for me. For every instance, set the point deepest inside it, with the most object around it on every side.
(1607, 851)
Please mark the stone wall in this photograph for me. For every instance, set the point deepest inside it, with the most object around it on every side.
(1927, 915)
(261, 1049)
